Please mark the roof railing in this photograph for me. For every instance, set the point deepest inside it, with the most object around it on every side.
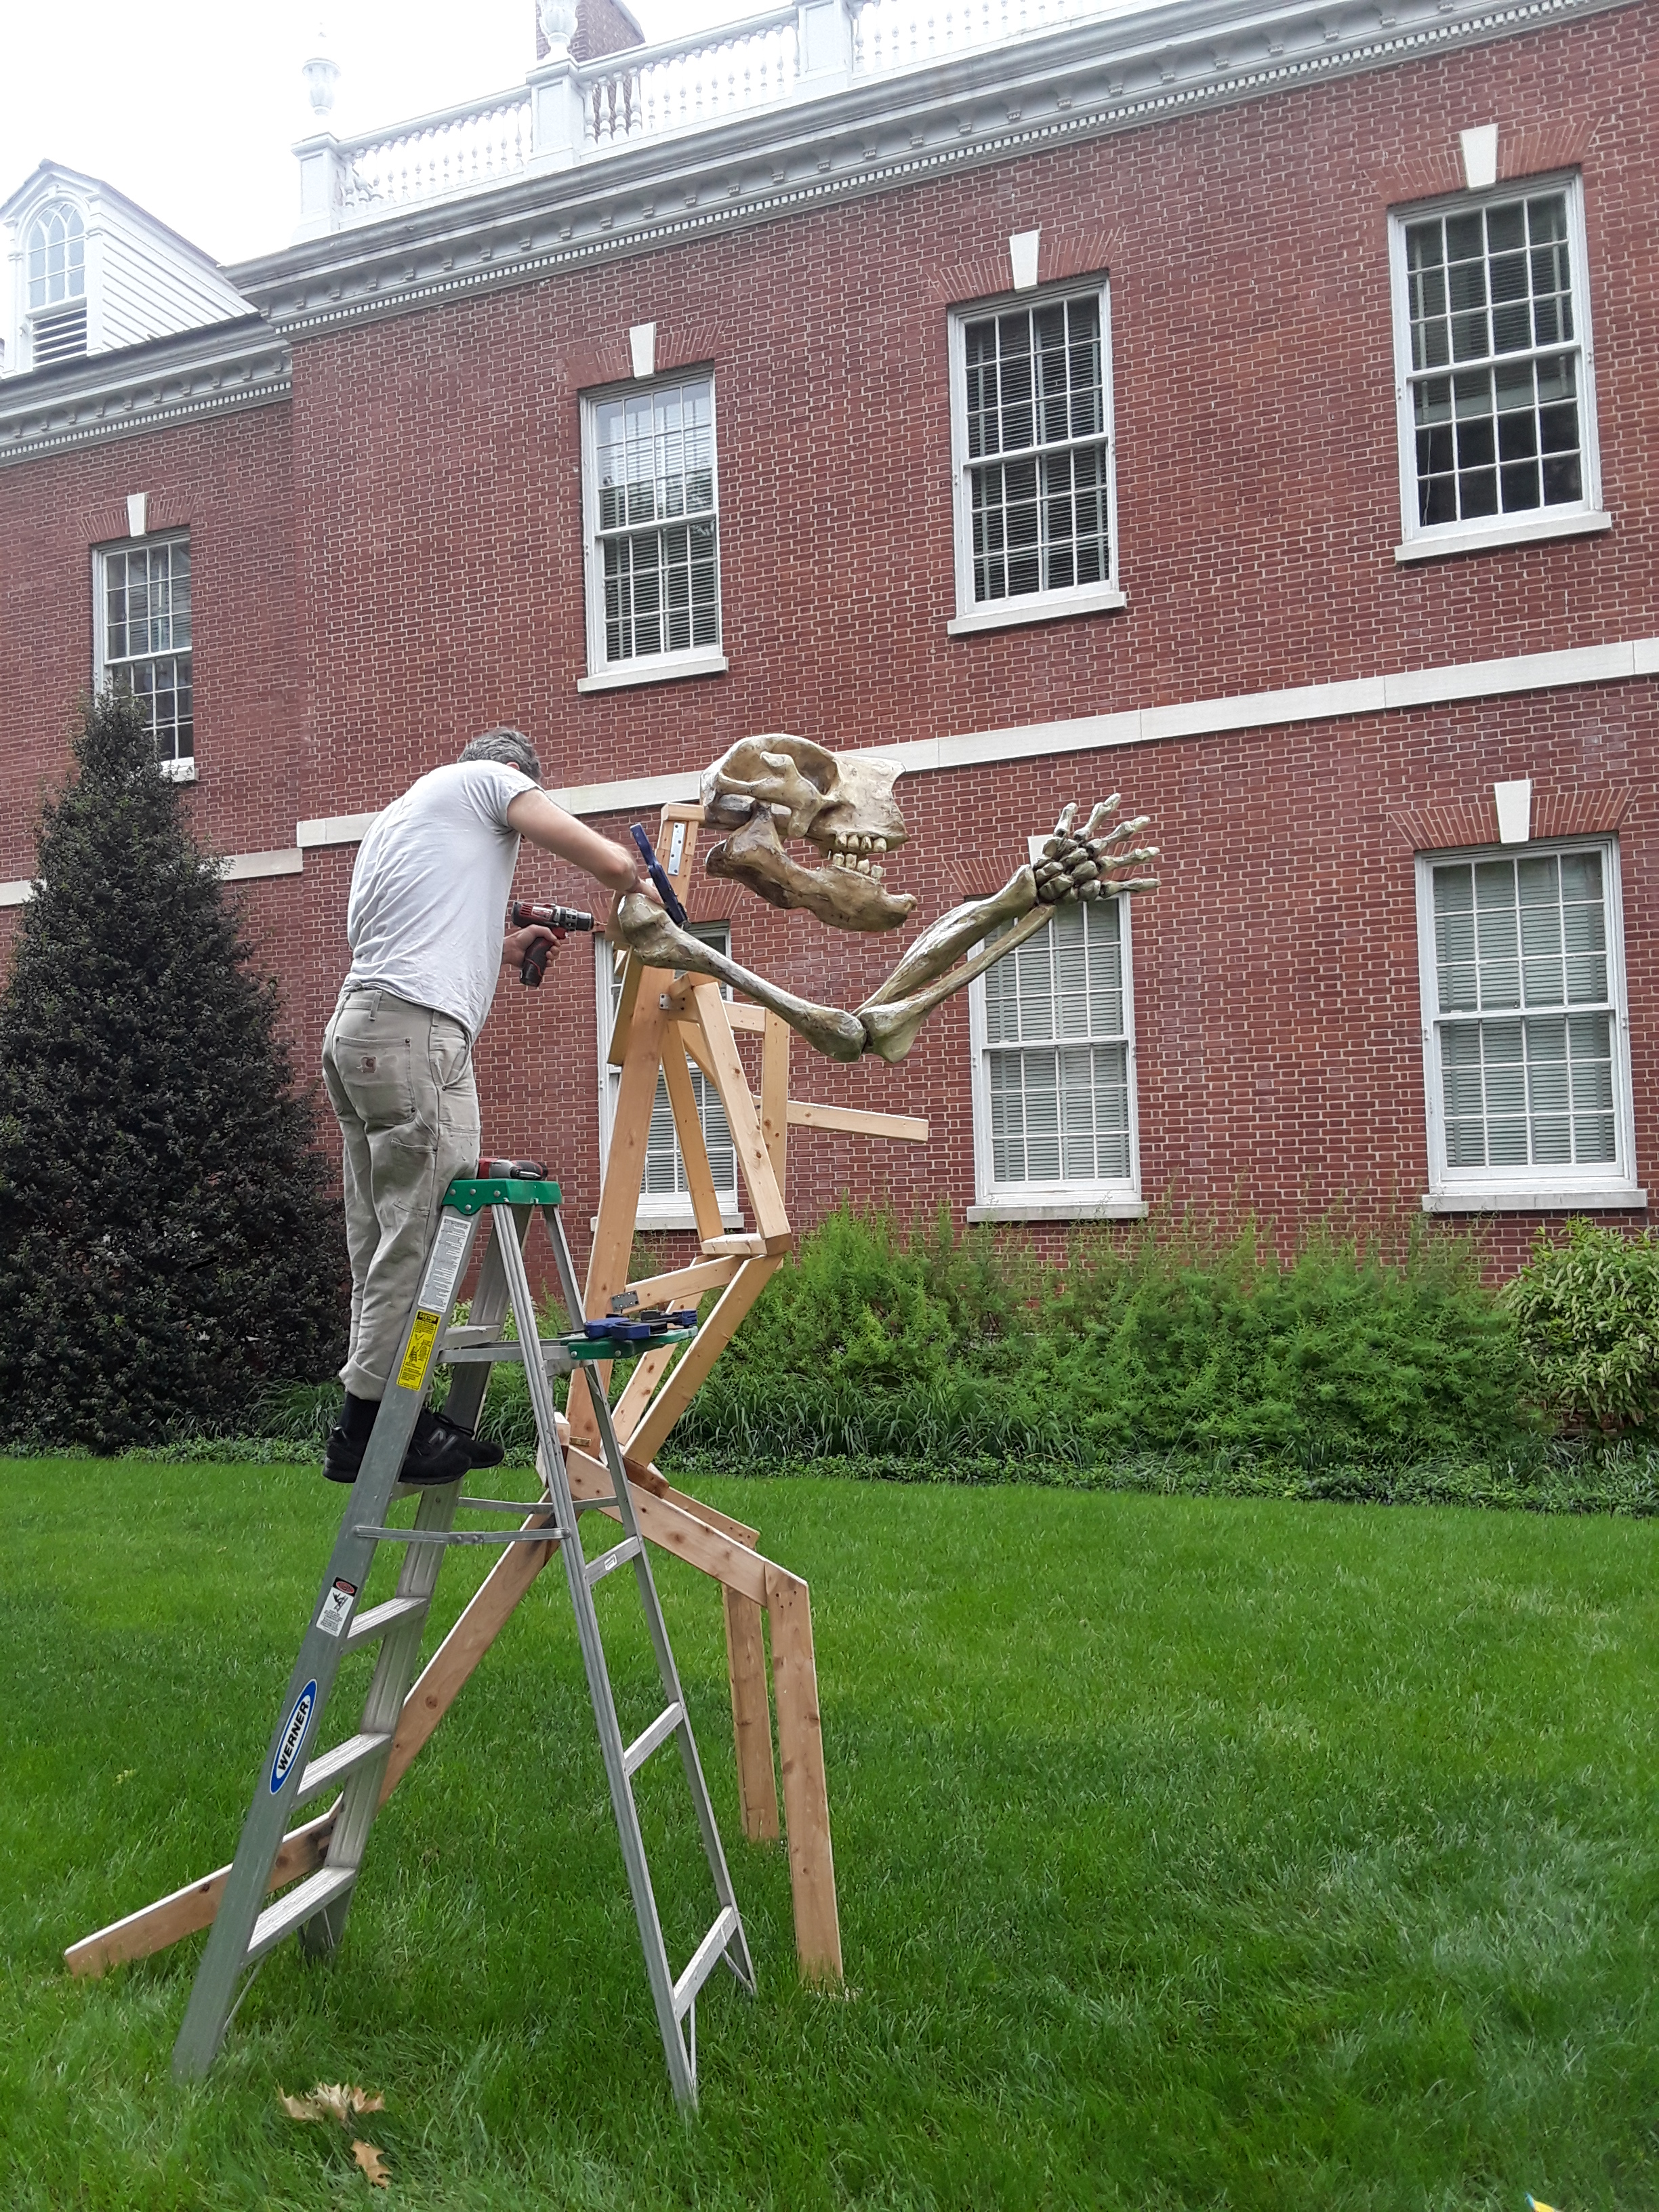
(567, 112)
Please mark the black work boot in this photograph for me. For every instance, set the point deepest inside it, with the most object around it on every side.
(348, 1440)
(437, 1454)
(480, 1452)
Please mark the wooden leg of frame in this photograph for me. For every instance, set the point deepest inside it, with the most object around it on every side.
(751, 1717)
(646, 1441)
(805, 1789)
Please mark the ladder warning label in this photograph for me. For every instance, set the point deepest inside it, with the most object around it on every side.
(336, 1607)
(412, 1376)
(448, 1250)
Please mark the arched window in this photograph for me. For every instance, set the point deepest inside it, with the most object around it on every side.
(57, 256)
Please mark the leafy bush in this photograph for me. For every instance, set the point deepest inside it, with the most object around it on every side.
(938, 1351)
(1588, 1316)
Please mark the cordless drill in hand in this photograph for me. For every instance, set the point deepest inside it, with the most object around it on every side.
(559, 919)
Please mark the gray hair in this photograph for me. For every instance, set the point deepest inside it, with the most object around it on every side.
(509, 746)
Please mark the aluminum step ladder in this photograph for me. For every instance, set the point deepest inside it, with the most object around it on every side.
(246, 1927)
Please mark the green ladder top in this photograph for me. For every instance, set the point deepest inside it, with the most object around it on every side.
(471, 1194)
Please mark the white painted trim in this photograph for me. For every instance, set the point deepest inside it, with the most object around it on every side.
(671, 668)
(1558, 1197)
(137, 512)
(1579, 667)
(1081, 1209)
(333, 829)
(1513, 804)
(1419, 543)
(642, 348)
(18, 893)
(1045, 606)
(1023, 258)
(1015, 614)
(1451, 537)
(1479, 147)
(251, 867)
(1482, 1191)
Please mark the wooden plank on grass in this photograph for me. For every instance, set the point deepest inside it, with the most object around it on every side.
(806, 1788)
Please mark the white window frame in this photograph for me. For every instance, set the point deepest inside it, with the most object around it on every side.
(604, 674)
(1093, 1200)
(657, 1210)
(178, 769)
(48, 322)
(1580, 518)
(1538, 1189)
(972, 616)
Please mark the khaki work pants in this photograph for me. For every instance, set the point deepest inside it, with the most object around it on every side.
(399, 1078)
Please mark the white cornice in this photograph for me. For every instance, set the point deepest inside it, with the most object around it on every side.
(1087, 81)
(221, 367)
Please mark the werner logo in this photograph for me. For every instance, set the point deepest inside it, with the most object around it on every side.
(294, 1735)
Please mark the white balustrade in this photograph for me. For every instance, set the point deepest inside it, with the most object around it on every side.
(461, 150)
(645, 91)
(901, 33)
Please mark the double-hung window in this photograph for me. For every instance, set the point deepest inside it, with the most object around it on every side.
(1052, 1031)
(1031, 437)
(142, 638)
(1493, 370)
(666, 1193)
(1524, 1026)
(651, 503)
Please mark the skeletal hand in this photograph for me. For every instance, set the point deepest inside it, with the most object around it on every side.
(1083, 865)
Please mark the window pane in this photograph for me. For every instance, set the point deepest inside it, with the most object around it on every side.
(1493, 287)
(654, 454)
(1057, 1060)
(1526, 1088)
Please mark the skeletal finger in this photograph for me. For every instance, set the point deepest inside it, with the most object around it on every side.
(1105, 807)
(1068, 816)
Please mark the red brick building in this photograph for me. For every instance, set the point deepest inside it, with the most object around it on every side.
(1249, 410)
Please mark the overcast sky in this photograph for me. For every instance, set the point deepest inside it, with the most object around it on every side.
(189, 106)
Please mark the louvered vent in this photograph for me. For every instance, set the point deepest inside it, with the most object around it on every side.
(60, 335)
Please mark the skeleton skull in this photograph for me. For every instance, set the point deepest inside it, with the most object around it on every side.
(772, 787)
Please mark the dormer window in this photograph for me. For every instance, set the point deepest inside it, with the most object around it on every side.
(56, 252)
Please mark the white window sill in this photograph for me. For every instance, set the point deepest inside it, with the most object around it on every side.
(1487, 537)
(662, 669)
(1541, 1198)
(665, 1219)
(1013, 614)
(179, 771)
(1059, 1209)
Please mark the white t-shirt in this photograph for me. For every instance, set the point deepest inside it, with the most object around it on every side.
(429, 891)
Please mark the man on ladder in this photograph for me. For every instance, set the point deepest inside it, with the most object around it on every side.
(430, 887)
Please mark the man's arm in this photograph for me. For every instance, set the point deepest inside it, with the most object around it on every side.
(534, 816)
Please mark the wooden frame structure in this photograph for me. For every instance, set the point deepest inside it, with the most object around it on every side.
(664, 1025)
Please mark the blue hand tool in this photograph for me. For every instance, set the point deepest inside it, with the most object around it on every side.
(659, 876)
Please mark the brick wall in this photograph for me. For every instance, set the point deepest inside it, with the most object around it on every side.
(398, 564)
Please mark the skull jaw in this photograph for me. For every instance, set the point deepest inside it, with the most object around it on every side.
(844, 898)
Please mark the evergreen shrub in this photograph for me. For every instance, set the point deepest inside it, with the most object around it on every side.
(169, 1245)
(1588, 1314)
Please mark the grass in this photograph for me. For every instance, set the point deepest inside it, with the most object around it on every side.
(1192, 1853)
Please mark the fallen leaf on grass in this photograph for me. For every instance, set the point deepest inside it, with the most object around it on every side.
(332, 2100)
(369, 2159)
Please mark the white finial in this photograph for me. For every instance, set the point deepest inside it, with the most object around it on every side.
(558, 22)
(321, 74)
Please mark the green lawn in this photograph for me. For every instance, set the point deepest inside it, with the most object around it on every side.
(1191, 1853)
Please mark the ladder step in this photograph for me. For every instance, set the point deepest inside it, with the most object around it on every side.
(301, 1903)
(345, 1758)
(659, 1732)
(608, 1562)
(546, 1533)
(707, 1957)
(380, 1618)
